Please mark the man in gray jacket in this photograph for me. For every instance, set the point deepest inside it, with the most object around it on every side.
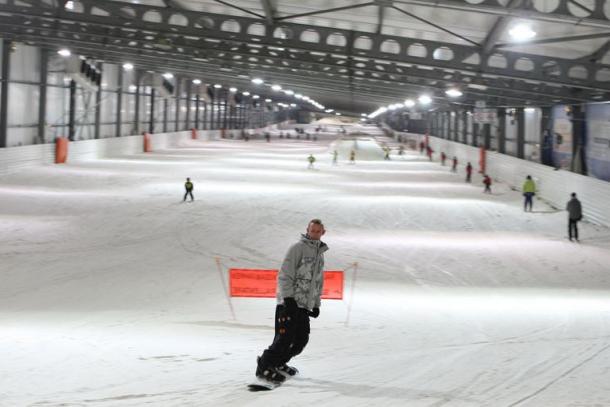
(299, 288)
(574, 209)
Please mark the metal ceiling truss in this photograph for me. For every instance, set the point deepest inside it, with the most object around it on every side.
(191, 34)
(566, 11)
(335, 68)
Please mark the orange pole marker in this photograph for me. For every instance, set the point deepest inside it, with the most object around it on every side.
(61, 150)
(147, 144)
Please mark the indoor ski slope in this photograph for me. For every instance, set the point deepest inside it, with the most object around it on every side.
(110, 293)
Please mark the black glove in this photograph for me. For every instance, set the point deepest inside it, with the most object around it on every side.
(291, 306)
(314, 313)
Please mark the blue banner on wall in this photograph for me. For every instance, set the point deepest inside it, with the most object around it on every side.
(562, 138)
(598, 141)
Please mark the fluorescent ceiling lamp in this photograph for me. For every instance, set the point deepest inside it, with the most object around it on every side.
(258, 81)
(232, 90)
(255, 97)
(529, 110)
(69, 5)
(127, 66)
(329, 110)
(522, 32)
(293, 105)
(425, 99)
(64, 52)
(276, 88)
(218, 86)
(289, 92)
(267, 100)
(338, 114)
(246, 93)
(409, 103)
(454, 93)
(298, 96)
(363, 114)
(306, 98)
(197, 81)
(168, 75)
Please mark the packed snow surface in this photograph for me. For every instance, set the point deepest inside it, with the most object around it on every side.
(113, 291)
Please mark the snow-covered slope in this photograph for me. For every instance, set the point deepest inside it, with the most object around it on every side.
(111, 294)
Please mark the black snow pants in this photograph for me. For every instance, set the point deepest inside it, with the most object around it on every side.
(187, 193)
(291, 336)
(573, 229)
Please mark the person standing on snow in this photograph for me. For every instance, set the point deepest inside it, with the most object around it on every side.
(443, 158)
(529, 190)
(188, 186)
(469, 173)
(335, 156)
(574, 209)
(311, 160)
(299, 291)
(487, 183)
(352, 157)
(454, 164)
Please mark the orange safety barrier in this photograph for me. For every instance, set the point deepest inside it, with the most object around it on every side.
(147, 144)
(61, 150)
(482, 160)
(262, 283)
(194, 134)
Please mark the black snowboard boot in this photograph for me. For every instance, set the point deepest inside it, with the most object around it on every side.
(288, 371)
(269, 374)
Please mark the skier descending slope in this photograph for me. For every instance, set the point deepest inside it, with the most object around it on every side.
(299, 288)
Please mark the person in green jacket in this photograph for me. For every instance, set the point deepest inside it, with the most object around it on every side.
(188, 186)
(311, 160)
(529, 190)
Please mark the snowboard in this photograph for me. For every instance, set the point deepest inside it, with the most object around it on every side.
(263, 385)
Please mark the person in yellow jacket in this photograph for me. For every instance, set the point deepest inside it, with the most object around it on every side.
(529, 190)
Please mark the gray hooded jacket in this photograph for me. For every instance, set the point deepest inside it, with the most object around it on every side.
(574, 209)
(301, 274)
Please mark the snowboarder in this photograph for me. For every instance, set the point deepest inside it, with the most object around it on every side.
(311, 160)
(529, 190)
(422, 145)
(443, 158)
(386, 155)
(188, 186)
(454, 164)
(574, 209)
(429, 152)
(335, 156)
(352, 157)
(299, 289)
(469, 172)
(487, 183)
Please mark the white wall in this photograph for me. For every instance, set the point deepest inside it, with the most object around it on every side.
(553, 186)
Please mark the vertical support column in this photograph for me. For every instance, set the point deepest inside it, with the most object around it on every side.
(487, 136)
(218, 117)
(212, 110)
(178, 96)
(465, 126)
(119, 105)
(443, 132)
(205, 114)
(456, 125)
(187, 123)
(165, 113)
(578, 136)
(6, 73)
(136, 128)
(226, 112)
(197, 100)
(520, 132)
(72, 111)
(151, 125)
(546, 139)
(475, 133)
(98, 105)
(42, 99)
(502, 130)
